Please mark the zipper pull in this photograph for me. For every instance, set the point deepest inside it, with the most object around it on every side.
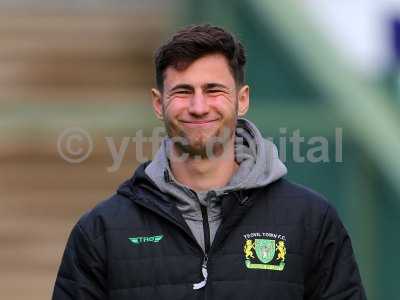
(201, 284)
(243, 201)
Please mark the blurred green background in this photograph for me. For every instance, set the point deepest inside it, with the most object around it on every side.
(84, 64)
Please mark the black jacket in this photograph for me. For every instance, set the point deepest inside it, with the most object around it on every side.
(282, 241)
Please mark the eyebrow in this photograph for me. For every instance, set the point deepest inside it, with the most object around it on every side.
(214, 85)
(210, 85)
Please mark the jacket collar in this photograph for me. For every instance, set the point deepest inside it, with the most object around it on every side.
(142, 191)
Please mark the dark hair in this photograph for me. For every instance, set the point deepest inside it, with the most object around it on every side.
(195, 41)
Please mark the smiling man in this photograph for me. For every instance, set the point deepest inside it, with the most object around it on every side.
(211, 217)
(200, 104)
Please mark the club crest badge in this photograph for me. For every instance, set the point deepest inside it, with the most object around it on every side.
(265, 253)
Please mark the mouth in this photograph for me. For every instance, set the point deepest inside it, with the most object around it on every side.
(199, 124)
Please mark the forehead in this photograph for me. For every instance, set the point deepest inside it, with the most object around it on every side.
(209, 68)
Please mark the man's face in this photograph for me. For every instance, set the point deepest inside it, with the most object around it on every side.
(200, 103)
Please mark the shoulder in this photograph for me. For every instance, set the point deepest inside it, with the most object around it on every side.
(118, 212)
(113, 213)
(296, 194)
(297, 203)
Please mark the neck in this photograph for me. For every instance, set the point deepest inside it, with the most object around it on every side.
(205, 174)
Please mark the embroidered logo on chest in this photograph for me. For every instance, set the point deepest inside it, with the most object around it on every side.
(264, 251)
(145, 239)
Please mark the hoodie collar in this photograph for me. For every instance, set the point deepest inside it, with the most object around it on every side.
(258, 159)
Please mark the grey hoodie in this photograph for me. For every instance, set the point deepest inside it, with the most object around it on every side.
(259, 165)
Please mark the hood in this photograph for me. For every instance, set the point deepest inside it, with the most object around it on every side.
(258, 158)
(259, 165)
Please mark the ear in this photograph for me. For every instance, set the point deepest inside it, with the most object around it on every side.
(243, 100)
(157, 103)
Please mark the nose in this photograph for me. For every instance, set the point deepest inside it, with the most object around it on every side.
(198, 105)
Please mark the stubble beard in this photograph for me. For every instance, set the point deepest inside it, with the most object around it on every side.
(200, 145)
(214, 146)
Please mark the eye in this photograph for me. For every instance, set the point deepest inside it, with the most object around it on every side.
(214, 91)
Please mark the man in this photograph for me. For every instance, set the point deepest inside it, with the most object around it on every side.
(211, 216)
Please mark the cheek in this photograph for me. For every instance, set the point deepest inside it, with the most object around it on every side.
(225, 104)
(223, 98)
(174, 108)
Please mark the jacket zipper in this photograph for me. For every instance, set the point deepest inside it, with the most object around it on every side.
(206, 225)
(206, 229)
(206, 232)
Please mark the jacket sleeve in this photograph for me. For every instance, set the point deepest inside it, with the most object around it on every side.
(334, 274)
(82, 271)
